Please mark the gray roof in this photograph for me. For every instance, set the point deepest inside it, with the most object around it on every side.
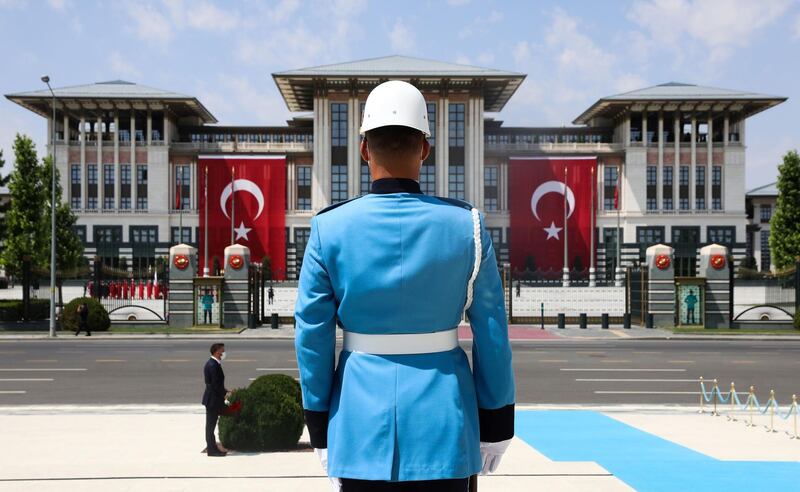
(673, 93)
(398, 66)
(298, 86)
(113, 90)
(770, 189)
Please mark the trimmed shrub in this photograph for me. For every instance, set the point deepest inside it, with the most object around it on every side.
(282, 383)
(98, 316)
(271, 418)
(11, 310)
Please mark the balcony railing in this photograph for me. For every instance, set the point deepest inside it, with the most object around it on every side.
(554, 147)
(243, 146)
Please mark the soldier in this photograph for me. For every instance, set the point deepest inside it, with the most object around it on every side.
(395, 269)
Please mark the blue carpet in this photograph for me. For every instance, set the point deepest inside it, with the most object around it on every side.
(644, 461)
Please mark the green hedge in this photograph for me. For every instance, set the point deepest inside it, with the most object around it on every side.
(271, 416)
(98, 316)
(11, 310)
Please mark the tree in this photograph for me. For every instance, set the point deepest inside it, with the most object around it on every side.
(69, 247)
(784, 237)
(24, 217)
(3, 206)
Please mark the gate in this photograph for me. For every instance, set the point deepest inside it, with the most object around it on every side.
(637, 294)
(255, 288)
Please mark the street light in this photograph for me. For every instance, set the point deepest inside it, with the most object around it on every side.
(46, 80)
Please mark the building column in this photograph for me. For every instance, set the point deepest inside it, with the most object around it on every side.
(644, 129)
(741, 123)
(478, 156)
(660, 170)
(442, 146)
(66, 133)
(469, 142)
(167, 132)
(117, 168)
(149, 137)
(676, 174)
(626, 130)
(291, 183)
(709, 160)
(503, 186)
(321, 170)
(84, 172)
(134, 194)
(353, 157)
(726, 127)
(101, 174)
(693, 168)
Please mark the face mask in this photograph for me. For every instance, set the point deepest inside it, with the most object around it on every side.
(222, 357)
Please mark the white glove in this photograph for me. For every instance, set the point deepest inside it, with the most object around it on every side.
(322, 454)
(491, 452)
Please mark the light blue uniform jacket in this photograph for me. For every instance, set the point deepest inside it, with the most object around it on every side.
(400, 263)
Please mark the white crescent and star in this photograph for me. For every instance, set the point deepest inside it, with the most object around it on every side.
(241, 185)
(552, 187)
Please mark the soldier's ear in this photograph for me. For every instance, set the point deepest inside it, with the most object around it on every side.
(426, 148)
(364, 149)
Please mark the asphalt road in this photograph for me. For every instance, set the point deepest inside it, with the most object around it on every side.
(87, 371)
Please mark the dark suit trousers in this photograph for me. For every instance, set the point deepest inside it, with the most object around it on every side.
(454, 485)
(211, 424)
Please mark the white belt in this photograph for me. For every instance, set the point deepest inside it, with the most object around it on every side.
(399, 344)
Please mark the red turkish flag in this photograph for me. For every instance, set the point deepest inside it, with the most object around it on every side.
(257, 190)
(537, 198)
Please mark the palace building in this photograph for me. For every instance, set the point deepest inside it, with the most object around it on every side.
(128, 157)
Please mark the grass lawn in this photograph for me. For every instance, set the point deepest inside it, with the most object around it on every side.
(164, 329)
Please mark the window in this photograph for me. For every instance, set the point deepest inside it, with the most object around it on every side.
(496, 234)
(301, 236)
(366, 180)
(683, 188)
(80, 231)
(766, 260)
(652, 178)
(303, 187)
(339, 124)
(177, 237)
(427, 179)
(456, 125)
(75, 187)
(144, 234)
(432, 123)
(722, 235)
(143, 248)
(455, 172)
(610, 174)
(455, 179)
(91, 181)
(716, 187)
(107, 241)
(338, 183)
(108, 186)
(490, 188)
(766, 212)
(338, 152)
(647, 236)
(125, 187)
(700, 188)
(183, 180)
(667, 178)
(141, 187)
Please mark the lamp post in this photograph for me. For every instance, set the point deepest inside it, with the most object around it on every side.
(46, 80)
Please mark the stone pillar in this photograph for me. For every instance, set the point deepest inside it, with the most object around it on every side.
(84, 170)
(117, 168)
(149, 137)
(134, 191)
(235, 294)
(442, 146)
(693, 166)
(182, 270)
(714, 267)
(661, 285)
(101, 168)
(660, 169)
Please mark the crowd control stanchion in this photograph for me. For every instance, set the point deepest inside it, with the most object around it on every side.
(732, 397)
(794, 408)
(715, 393)
(750, 398)
(702, 396)
(771, 405)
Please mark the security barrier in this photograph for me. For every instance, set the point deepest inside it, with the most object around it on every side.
(750, 408)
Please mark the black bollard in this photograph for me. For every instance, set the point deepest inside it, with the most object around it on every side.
(274, 321)
(626, 321)
(561, 320)
(604, 320)
(649, 319)
(582, 320)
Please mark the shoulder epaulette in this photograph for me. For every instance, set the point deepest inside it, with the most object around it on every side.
(338, 204)
(456, 202)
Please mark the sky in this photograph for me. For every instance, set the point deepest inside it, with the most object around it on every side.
(573, 52)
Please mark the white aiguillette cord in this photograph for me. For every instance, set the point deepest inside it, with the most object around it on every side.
(476, 236)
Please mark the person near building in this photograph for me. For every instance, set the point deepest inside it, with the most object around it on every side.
(396, 269)
(214, 396)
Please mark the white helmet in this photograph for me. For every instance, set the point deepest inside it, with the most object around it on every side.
(395, 103)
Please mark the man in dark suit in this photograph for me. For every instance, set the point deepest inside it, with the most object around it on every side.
(214, 396)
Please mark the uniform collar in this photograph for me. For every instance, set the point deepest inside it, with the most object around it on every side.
(395, 185)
